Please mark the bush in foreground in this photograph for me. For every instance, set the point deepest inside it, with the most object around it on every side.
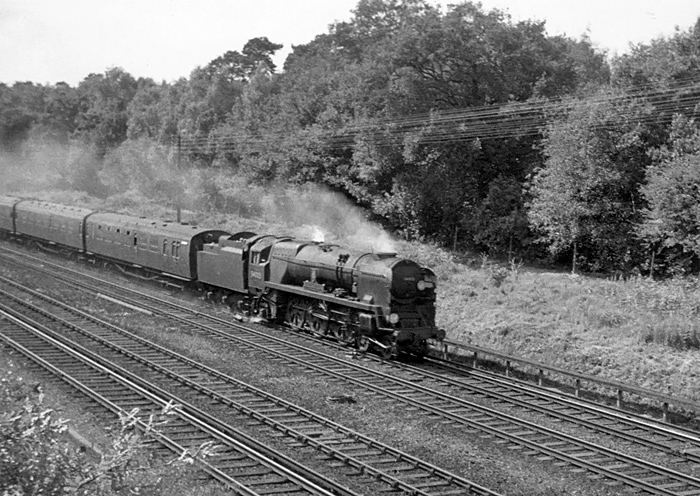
(36, 457)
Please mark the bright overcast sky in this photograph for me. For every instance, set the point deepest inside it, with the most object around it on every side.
(48, 41)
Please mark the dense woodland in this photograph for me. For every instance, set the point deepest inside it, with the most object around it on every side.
(456, 126)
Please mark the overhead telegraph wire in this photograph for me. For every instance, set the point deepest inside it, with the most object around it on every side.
(511, 120)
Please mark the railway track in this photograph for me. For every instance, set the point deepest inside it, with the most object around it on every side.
(625, 425)
(534, 439)
(241, 468)
(179, 377)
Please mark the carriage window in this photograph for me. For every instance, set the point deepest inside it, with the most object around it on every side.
(136, 240)
(165, 247)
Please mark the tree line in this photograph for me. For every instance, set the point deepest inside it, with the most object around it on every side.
(456, 126)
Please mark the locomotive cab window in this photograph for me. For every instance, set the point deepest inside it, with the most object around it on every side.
(262, 256)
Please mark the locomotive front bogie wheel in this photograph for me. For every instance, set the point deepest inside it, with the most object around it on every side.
(388, 352)
(388, 348)
(363, 344)
(422, 349)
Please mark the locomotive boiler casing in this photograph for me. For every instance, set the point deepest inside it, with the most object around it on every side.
(297, 262)
(381, 281)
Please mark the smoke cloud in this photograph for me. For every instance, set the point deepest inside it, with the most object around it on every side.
(141, 173)
(328, 216)
(31, 169)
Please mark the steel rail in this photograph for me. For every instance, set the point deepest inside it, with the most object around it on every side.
(570, 409)
(540, 445)
(630, 419)
(664, 399)
(446, 478)
(589, 450)
(25, 332)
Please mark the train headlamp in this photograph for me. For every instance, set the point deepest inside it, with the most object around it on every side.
(394, 318)
(421, 285)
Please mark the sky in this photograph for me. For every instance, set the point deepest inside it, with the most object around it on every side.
(50, 41)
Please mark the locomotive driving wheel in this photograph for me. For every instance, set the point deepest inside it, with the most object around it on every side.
(317, 326)
(343, 333)
(266, 309)
(319, 320)
(295, 316)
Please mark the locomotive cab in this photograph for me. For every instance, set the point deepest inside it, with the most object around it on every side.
(259, 263)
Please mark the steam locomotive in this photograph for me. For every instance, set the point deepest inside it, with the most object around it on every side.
(371, 300)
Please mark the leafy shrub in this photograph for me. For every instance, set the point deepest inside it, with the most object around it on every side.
(33, 458)
(36, 458)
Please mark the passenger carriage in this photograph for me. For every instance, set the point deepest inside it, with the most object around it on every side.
(52, 223)
(163, 247)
